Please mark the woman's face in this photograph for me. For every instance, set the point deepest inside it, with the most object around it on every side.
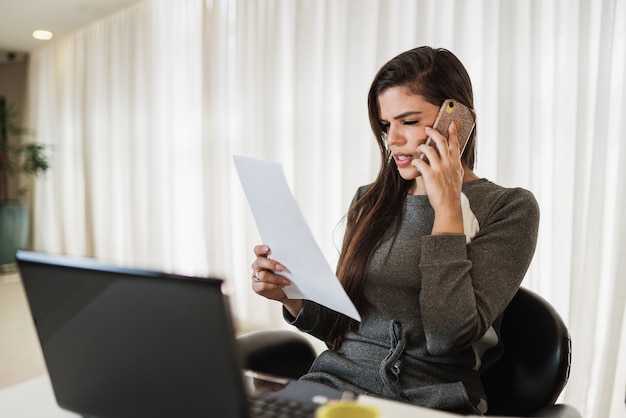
(405, 115)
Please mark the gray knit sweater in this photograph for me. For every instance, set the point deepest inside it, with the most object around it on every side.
(432, 305)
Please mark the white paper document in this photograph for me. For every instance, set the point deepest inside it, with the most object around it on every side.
(283, 228)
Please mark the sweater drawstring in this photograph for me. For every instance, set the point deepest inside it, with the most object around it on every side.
(389, 369)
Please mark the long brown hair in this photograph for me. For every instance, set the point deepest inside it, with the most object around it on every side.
(437, 75)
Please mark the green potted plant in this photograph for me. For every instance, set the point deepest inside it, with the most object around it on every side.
(17, 158)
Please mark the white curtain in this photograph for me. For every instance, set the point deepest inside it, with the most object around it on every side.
(146, 108)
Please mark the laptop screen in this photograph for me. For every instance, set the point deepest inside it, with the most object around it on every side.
(125, 342)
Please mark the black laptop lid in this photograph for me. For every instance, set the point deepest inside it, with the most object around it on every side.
(124, 342)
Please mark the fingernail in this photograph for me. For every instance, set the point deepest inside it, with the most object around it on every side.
(279, 267)
(265, 248)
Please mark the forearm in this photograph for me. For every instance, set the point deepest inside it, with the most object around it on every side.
(447, 297)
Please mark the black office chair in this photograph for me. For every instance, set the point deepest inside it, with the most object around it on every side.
(525, 382)
(277, 352)
(535, 367)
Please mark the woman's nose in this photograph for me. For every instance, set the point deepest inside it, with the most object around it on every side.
(393, 136)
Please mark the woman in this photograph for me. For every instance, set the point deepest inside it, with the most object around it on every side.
(432, 254)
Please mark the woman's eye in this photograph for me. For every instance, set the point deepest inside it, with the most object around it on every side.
(409, 122)
(384, 127)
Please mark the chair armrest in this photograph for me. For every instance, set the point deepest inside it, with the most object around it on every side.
(558, 411)
(277, 352)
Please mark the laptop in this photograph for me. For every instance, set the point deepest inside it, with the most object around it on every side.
(125, 342)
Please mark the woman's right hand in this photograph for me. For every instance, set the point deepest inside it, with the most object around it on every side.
(267, 282)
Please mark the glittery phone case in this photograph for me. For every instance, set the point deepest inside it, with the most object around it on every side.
(453, 111)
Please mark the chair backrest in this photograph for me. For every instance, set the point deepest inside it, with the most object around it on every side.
(283, 353)
(536, 362)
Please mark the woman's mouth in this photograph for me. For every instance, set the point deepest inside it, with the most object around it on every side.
(403, 160)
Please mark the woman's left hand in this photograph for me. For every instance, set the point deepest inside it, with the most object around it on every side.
(443, 179)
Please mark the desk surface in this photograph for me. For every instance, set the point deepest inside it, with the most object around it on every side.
(35, 398)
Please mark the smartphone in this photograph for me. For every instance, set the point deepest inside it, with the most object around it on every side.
(453, 111)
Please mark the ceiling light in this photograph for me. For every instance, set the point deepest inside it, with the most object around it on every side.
(43, 35)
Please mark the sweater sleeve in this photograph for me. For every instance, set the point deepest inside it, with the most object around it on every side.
(313, 318)
(465, 287)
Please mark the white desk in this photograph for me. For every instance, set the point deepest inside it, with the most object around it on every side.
(35, 398)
